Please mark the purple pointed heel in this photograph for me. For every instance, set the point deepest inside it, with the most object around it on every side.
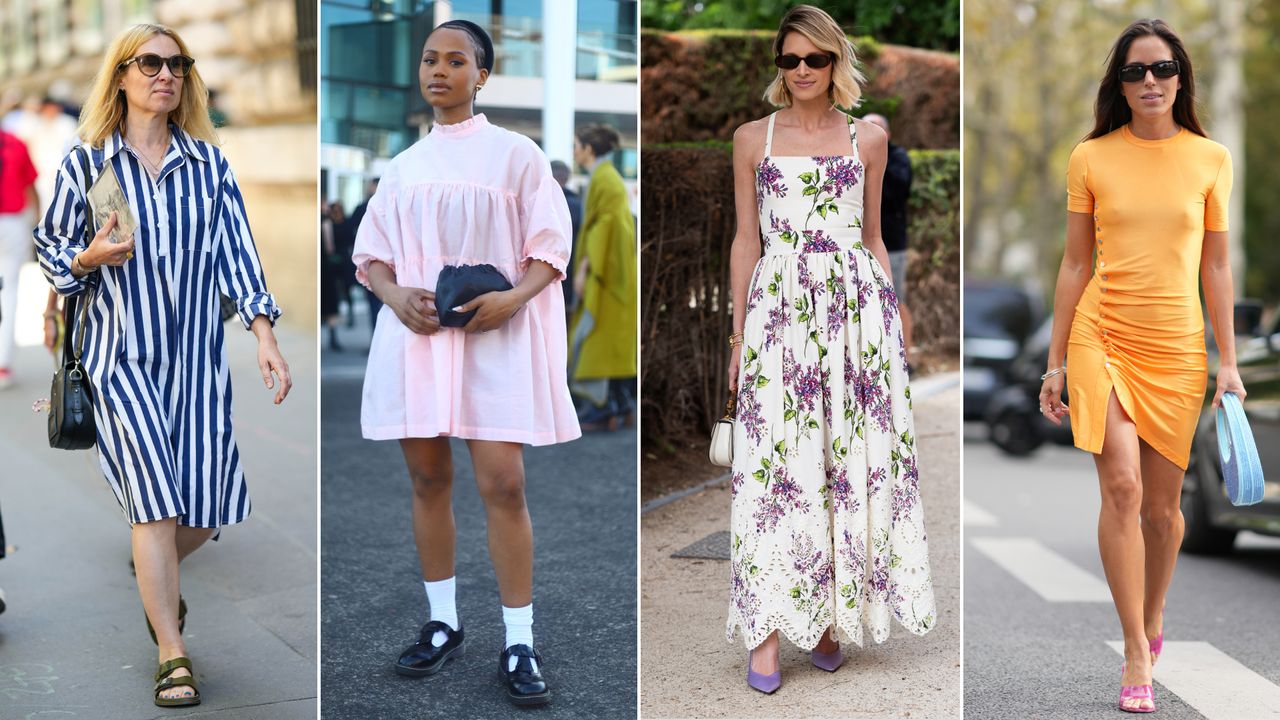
(827, 661)
(764, 683)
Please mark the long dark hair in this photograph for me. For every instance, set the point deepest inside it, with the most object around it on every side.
(1111, 111)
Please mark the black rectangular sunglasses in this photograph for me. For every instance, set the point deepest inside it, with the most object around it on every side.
(150, 64)
(1137, 71)
(815, 61)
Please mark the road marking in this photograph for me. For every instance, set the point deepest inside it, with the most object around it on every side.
(1050, 575)
(975, 516)
(1211, 681)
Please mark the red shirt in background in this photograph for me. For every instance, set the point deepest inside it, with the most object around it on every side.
(16, 174)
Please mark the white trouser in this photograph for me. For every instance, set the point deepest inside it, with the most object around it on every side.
(15, 249)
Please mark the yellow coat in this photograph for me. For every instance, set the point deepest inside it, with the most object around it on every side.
(607, 241)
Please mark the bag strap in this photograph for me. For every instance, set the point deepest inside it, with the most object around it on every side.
(75, 348)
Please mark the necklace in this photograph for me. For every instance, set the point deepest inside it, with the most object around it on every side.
(152, 168)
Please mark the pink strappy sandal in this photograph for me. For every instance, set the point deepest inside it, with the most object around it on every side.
(1156, 646)
(1136, 692)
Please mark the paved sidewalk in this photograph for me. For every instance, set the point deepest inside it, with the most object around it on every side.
(73, 641)
(689, 670)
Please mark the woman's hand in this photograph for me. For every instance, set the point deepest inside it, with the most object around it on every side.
(1228, 382)
(493, 309)
(735, 360)
(416, 309)
(51, 331)
(1051, 405)
(271, 361)
(103, 250)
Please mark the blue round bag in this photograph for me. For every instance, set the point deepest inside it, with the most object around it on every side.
(1238, 453)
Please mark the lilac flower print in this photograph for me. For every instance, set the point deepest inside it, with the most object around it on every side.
(748, 413)
(804, 381)
(753, 300)
(744, 598)
(836, 308)
(768, 182)
(783, 495)
(817, 241)
(842, 497)
(875, 480)
(806, 279)
(863, 290)
(905, 497)
(889, 304)
(778, 321)
(735, 483)
(840, 173)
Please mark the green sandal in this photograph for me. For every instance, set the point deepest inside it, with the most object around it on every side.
(182, 619)
(164, 682)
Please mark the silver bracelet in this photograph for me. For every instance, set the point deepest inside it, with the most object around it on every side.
(1051, 373)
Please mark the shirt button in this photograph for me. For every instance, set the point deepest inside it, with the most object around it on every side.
(1104, 277)
(1101, 264)
(1108, 364)
(1104, 289)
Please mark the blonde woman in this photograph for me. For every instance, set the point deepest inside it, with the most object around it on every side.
(154, 340)
(827, 526)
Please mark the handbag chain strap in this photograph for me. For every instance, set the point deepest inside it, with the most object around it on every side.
(76, 348)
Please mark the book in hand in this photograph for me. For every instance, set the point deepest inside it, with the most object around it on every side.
(106, 197)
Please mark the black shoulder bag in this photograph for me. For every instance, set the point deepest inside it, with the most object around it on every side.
(71, 425)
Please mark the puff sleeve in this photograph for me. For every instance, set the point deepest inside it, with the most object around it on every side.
(544, 218)
(378, 237)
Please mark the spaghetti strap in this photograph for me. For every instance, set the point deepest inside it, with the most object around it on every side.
(853, 139)
(768, 138)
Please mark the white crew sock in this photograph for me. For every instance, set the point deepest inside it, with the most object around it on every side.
(440, 597)
(519, 622)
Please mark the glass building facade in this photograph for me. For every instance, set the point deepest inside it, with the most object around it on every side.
(371, 108)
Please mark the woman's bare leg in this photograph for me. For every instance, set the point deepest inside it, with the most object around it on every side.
(430, 464)
(155, 559)
(499, 468)
(764, 657)
(1120, 539)
(1162, 528)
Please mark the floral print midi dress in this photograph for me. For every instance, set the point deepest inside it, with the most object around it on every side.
(827, 524)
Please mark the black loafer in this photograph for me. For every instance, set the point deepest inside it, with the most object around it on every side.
(422, 658)
(525, 685)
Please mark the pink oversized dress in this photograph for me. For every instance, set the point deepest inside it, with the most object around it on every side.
(469, 193)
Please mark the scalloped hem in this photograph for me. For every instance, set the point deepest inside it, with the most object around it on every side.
(737, 627)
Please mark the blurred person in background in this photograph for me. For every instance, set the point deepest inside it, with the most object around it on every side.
(357, 215)
(893, 223)
(499, 382)
(49, 133)
(1149, 193)
(165, 442)
(18, 204)
(561, 172)
(604, 283)
(344, 238)
(332, 265)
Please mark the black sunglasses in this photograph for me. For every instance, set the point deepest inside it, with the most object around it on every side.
(815, 61)
(1137, 71)
(150, 64)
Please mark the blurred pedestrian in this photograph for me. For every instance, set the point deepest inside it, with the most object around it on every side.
(605, 322)
(561, 173)
(332, 265)
(344, 238)
(155, 346)
(894, 222)
(18, 205)
(827, 522)
(468, 193)
(357, 215)
(1151, 187)
(49, 134)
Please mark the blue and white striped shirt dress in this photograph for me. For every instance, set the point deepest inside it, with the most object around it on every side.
(154, 347)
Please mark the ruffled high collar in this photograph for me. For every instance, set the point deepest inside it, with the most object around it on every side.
(471, 125)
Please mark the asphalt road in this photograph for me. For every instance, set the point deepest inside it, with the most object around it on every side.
(73, 641)
(582, 498)
(1040, 631)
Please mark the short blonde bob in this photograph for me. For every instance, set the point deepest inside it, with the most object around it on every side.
(105, 108)
(845, 90)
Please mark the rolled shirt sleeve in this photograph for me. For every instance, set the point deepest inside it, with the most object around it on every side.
(240, 275)
(60, 234)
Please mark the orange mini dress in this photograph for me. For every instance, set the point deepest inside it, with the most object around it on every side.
(1139, 328)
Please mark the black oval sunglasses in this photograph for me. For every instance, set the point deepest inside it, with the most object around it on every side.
(816, 61)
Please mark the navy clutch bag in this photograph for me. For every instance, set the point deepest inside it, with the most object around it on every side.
(1241, 470)
(458, 284)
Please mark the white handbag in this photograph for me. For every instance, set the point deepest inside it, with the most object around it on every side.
(722, 435)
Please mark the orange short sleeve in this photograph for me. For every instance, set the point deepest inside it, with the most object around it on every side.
(1079, 196)
(1217, 205)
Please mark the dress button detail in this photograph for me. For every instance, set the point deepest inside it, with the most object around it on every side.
(1108, 364)
(1102, 263)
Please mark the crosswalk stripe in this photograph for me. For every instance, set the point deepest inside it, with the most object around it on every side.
(1214, 683)
(975, 516)
(1050, 575)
